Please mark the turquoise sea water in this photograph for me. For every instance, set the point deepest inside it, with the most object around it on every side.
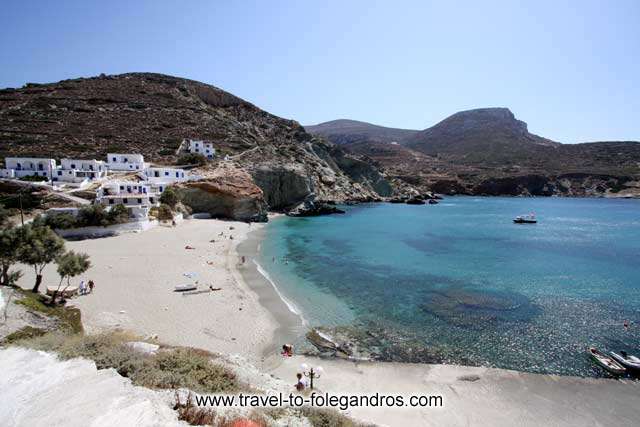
(460, 283)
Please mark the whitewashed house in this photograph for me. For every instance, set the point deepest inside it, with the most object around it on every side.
(125, 162)
(165, 175)
(137, 197)
(202, 147)
(79, 172)
(18, 167)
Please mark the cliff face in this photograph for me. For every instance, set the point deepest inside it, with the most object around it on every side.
(152, 113)
(226, 192)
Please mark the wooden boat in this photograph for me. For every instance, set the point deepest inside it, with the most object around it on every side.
(525, 219)
(184, 288)
(627, 360)
(606, 362)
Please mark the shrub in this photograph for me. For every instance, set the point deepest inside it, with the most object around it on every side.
(34, 178)
(169, 196)
(166, 152)
(164, 213)
(118, 215)
(61, 221)
(192, 159)
(171, 368)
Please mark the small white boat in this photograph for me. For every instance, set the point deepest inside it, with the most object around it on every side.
(525, 219)
(183, 288)
(627, 360)
(606, 362)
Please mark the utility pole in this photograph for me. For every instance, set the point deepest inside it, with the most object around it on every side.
(21, 213)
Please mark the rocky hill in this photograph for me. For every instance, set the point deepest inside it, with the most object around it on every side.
(152, 113)
(352, 131)
(489, 151)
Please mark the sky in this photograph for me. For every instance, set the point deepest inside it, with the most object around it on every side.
(570, 69)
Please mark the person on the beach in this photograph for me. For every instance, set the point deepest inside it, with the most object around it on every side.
(287, 350)
(82, 288)
(300, 385)
(91, 285)
(243, 259)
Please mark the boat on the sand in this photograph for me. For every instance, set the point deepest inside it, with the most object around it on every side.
(629, 361)
(605, 362)
(184, 288)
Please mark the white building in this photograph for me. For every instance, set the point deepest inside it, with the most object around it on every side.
(125, 162)
(202, 147)
(165, 175)
(18, 167)
(137, 197)
(79, 171)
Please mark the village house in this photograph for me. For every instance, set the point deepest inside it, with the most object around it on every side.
(79, 171)
(137, 197)
(18, 167)
(125, 162)
(202, 147)
(165, 175)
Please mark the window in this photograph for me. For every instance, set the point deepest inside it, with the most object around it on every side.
(40, 166)
(113, 159)
(197, 150)
(110, 201)
(161, 189)
(177, 174)
(151, 199)
(166, 173)
(59, 173)
(139, 201)
(156, 174)
(122, 187)
(125, 200)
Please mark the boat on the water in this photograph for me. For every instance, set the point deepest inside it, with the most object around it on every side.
(629, 361)
(525, 219)
(183, 288)
(605, 362)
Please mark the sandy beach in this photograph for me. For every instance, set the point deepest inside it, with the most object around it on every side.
(476, 396)
(135, 275)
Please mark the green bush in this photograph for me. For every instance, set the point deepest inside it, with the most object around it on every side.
(34, 178)
(165, 213)
(169, 197)
(192, 159)
(170, 368)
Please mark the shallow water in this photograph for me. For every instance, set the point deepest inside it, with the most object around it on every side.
(464, 283)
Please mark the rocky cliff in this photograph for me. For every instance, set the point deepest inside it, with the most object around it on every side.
(152, 113)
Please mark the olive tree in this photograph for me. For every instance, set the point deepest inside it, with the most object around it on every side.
(9, 242)
(70, 264)
(39, 246)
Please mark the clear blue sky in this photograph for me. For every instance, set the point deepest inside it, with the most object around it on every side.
(571, 69)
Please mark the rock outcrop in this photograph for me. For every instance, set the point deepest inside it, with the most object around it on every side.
(284, 186)
(228, 192)
(312, 207)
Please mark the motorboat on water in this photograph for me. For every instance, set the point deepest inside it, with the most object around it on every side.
(627, 360)
(605, 362)
(525, 219)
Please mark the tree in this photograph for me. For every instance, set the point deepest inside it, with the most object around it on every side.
(70, 264)
(4, 216)
(39, 246)
(9, 242)
(165, 213)
(169, 197)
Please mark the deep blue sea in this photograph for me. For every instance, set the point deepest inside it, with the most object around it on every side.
(458, 282)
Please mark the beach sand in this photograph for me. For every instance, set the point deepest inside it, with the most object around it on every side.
(135, 275)
(475, 396)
